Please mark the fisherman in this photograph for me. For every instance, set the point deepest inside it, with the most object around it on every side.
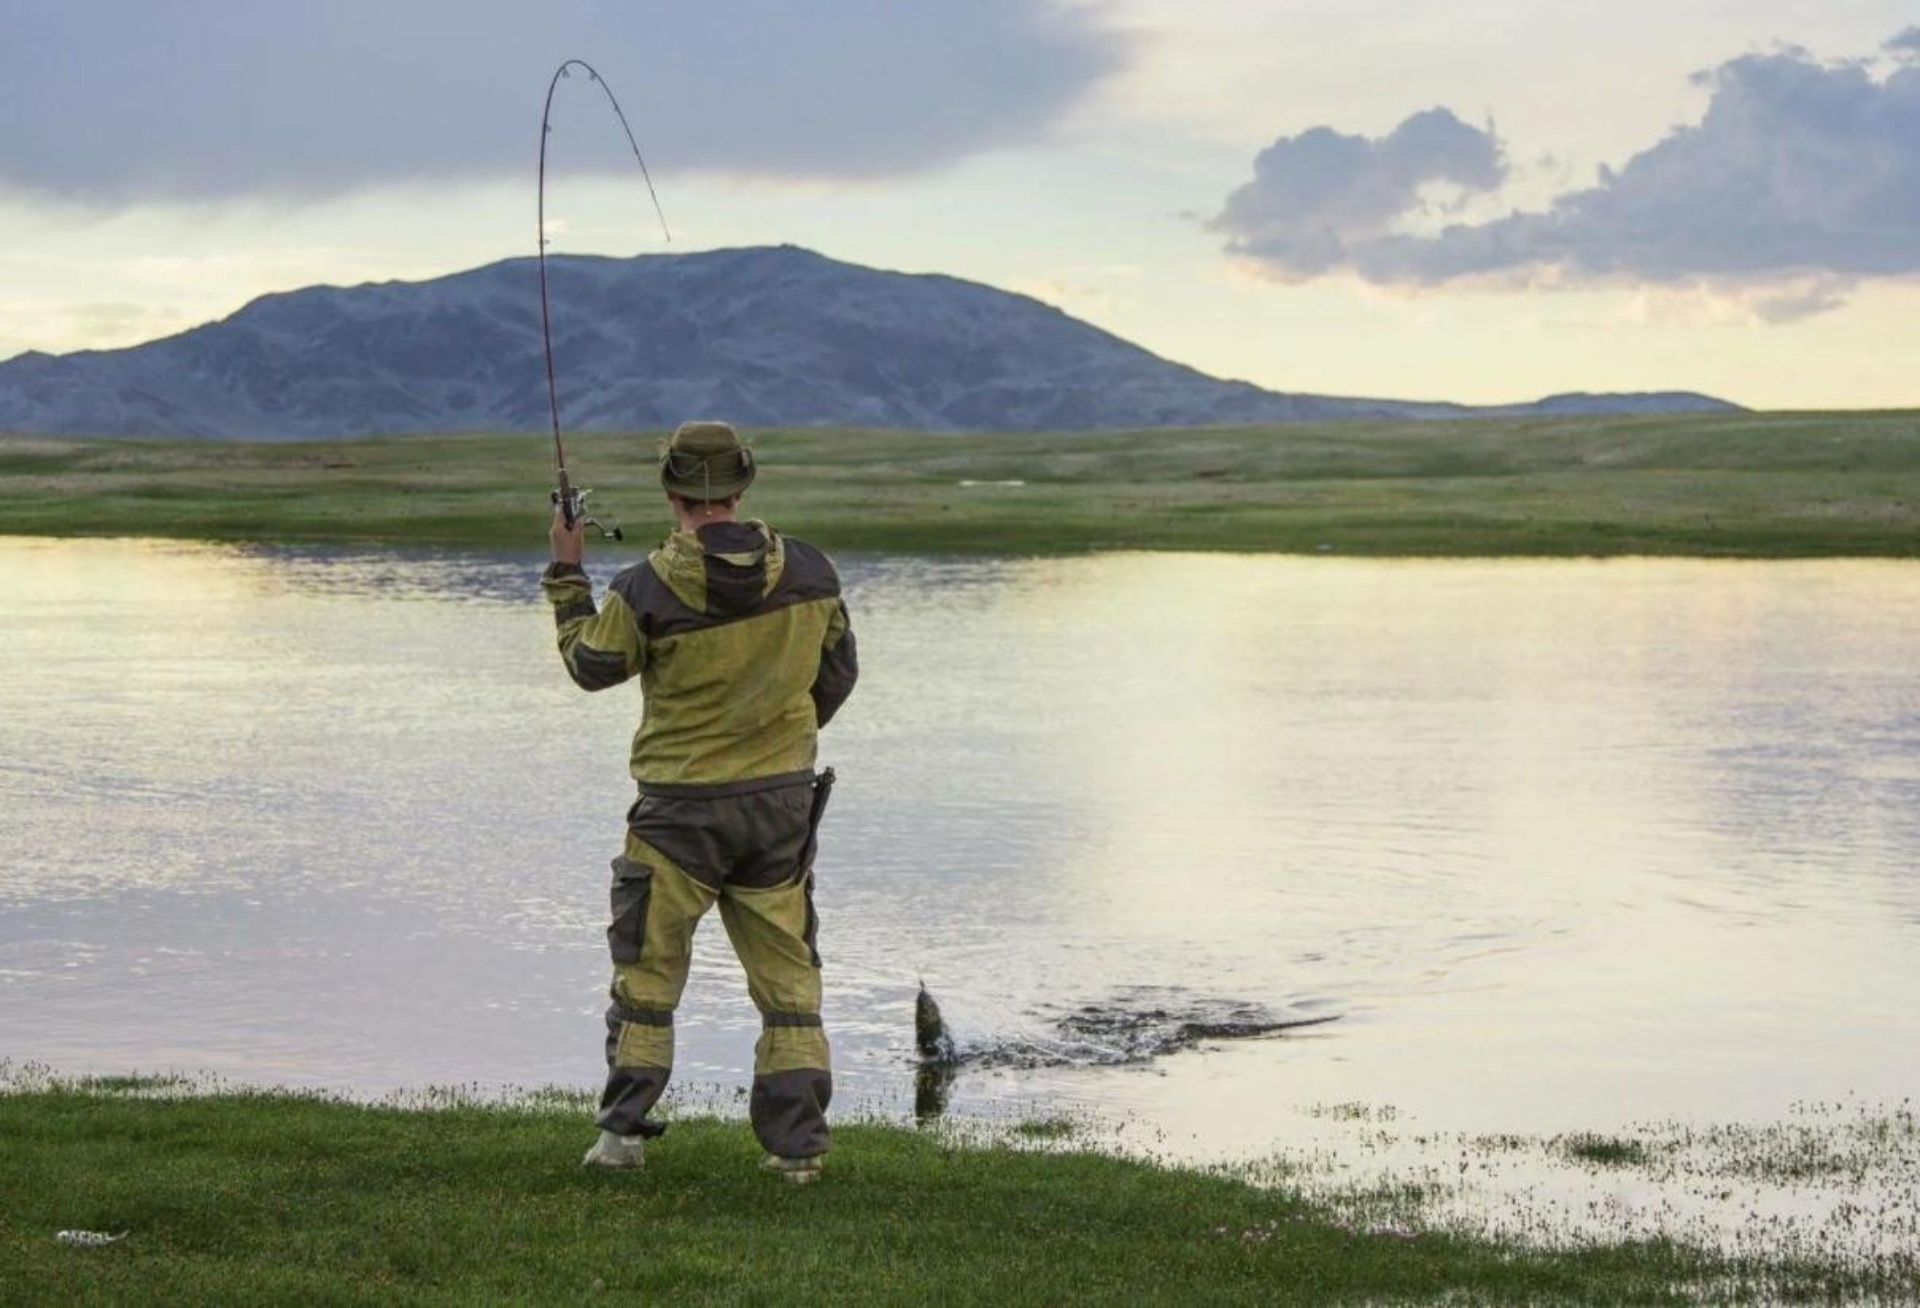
(742, 645)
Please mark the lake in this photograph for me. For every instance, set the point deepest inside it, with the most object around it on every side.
(1564, 845)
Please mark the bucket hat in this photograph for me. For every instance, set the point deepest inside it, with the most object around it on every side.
(705, 461)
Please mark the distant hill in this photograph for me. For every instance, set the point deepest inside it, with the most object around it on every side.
(766, 336)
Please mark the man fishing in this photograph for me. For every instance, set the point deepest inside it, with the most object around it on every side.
(743, 649)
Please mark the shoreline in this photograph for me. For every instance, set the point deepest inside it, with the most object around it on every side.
(1759, 486)
(270, 1194)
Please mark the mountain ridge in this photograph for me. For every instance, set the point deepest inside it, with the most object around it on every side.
(763, 336)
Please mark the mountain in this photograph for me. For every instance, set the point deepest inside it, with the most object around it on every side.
(761, 337)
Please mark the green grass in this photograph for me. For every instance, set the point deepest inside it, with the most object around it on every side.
(255, 1197)
(1743, 485)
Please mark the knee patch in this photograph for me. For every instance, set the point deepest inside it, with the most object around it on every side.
(631, 895)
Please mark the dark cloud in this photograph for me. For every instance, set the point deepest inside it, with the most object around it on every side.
(120, 100)
(1315, 196)
(1905, 44)
(1798, 168)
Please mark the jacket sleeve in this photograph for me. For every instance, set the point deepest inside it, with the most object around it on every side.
(602, 646)
(839, 666)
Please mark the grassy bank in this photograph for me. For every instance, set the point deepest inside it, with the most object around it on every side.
(1753, 485)
(273, 1198)
(256, 1197)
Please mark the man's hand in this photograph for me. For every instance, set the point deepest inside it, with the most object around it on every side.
(569, 543)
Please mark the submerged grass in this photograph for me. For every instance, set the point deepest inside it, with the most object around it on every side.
(273, 1197)
(1045, 1128)
(1757, 485)
(1783, 1203)
(1606, 1151)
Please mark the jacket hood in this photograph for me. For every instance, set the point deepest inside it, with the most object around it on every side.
(724, 569)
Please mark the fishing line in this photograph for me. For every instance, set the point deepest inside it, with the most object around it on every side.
(571, 501)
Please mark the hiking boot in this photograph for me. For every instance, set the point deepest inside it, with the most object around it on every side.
(616, 1152)
(795, 1171)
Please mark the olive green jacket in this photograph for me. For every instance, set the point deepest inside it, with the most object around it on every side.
(741, 643)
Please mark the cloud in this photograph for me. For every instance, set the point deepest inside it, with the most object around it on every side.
(117, 101)
(1316, 196)
(1904, 45)
(1801, 172)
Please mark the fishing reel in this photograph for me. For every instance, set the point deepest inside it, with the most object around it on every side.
(573, 507)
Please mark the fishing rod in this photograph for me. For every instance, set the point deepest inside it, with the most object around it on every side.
(571, 499)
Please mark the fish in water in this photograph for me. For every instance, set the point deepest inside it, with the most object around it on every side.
(930, 1030)
(939, 1058)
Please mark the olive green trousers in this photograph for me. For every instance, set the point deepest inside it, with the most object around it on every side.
(750, 854)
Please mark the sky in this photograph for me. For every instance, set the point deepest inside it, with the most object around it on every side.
(1474, 200)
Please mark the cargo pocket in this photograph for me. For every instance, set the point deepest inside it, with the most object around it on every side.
(811, 933)
(632, 888)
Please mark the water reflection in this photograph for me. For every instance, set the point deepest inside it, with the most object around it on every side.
(1568, 843)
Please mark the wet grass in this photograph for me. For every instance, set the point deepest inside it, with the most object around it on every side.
(1755, 485)
(247, 1197)
(1606, 1151)
(1353, 1111)
(1044, 1128)
(133, 1084)
(1822, 1204)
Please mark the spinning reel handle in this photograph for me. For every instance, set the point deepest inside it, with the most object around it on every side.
(573, 507)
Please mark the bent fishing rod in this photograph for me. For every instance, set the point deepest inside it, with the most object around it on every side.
(571, 499)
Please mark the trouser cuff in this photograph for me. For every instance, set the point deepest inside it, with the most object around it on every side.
(789, 1111)
(630, 1092)
(639, 1061)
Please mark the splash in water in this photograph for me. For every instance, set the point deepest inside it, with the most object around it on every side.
(1136, 1026)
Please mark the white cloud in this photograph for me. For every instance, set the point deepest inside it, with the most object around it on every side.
(112, 102)
(1802, 172)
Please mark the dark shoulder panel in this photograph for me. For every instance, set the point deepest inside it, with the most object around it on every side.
(658, 611)
(807, 575)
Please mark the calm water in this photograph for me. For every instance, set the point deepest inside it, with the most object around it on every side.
(1568, 845)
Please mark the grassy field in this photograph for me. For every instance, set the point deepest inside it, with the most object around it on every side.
(1753, 485)
(260, 1198)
